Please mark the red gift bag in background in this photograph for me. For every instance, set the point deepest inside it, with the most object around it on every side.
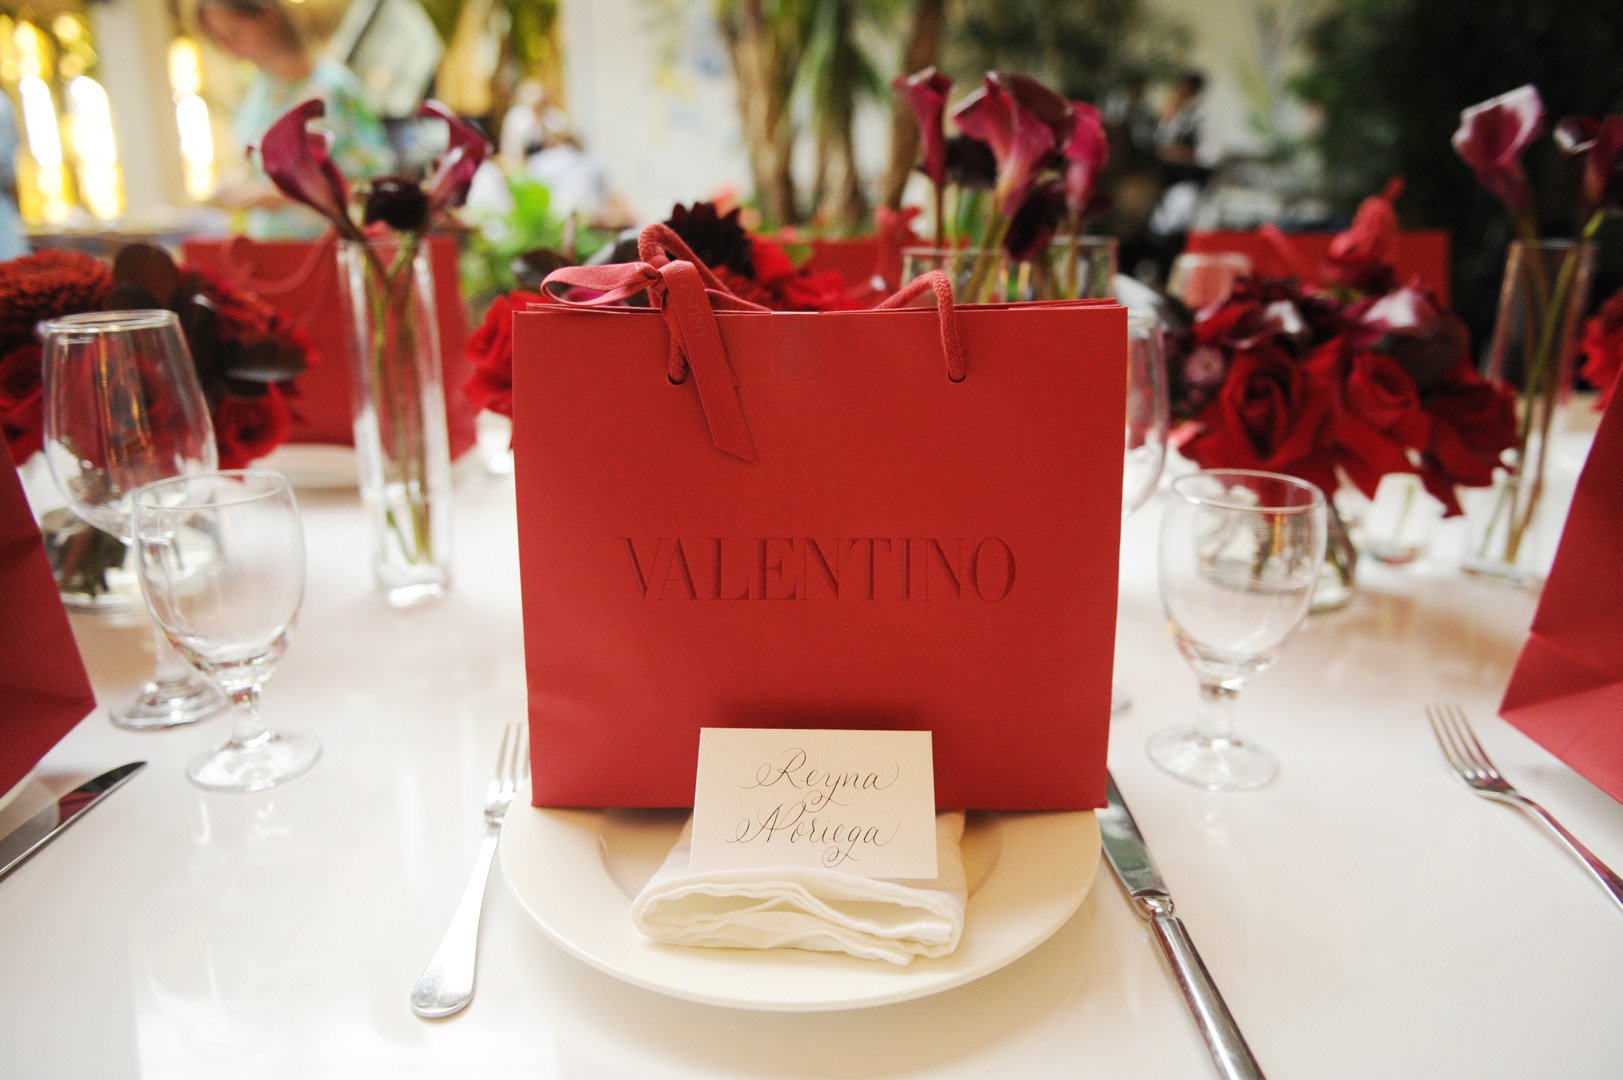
(896, 518)
(44, 691)
(1421, 253)
(300, 280)
(1567, 690)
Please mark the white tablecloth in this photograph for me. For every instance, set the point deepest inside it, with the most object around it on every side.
(1364, 915)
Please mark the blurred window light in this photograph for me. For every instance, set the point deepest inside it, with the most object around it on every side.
(100, 183)
(39, 122)
(185, 67)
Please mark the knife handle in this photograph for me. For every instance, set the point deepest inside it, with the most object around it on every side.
(1229, 1051)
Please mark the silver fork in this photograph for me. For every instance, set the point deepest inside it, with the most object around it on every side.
(1473, 768)
(446, 985)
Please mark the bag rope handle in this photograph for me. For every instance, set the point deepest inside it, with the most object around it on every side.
(939, 285)
(678, 292)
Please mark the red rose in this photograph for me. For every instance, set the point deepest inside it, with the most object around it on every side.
(1270, 414)
(249, 428)
(1603, 348)
(1473, 422)
(1377, 414)
(826, 291)
(490, 354)
(770, 261)
(21, 401)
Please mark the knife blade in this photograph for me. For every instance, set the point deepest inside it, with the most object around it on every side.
(1130, 858)
(26, 839)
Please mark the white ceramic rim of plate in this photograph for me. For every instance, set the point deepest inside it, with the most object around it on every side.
(553, 864)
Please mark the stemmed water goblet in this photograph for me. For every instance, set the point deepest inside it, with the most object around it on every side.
(1240, 554)
(123, 408)
(221, 562)
(1147, 421)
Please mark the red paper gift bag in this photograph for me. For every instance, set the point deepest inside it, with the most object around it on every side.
(43, 688)
(1567, 689)
(1421, 253)
(902, 518)
(300, 280)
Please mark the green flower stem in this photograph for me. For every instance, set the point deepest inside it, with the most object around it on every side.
(397, 392)
(1541, 384)
(981, 276)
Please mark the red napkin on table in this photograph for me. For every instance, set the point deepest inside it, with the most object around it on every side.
(43, 687)
(1567, 690)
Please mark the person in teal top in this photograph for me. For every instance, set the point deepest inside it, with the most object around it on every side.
(261, 32)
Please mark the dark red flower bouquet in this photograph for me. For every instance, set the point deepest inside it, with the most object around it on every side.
(247, 356)
(1036, 155)
(1347, 383)
(751, 267)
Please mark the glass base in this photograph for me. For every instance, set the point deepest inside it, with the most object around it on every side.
(413, 593)
(157, 706)
(1512, 574)
(1214, 764)
(271, 759)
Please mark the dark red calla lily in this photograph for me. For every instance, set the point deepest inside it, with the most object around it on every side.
(1491, 138)
(1086, 155)
(1034, 224)
(926, 91)
(296, 160)
(1599, 143)
(448, 187)
(1024, 123)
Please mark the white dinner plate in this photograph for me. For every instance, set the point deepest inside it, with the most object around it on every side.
(575, 873)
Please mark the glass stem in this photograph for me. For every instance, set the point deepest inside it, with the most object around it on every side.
(250, 729)
(1214, 720)
(168, 668)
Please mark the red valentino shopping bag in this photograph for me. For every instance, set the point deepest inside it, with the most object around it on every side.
(899, 518)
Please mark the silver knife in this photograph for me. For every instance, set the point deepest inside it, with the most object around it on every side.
(1130, 859)
(45, 826)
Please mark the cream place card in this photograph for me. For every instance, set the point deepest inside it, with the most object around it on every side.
(862, 802)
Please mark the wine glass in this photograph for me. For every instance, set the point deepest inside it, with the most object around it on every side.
(123, 408)
(1240, 555)
(221, 562)
(1146, 429)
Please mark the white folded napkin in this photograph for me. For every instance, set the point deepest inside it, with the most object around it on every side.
(798, 908)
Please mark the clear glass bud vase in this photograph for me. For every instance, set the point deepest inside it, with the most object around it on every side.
(401, 445)
(1545, 291)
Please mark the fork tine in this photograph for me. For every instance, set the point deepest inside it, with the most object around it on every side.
(1446, 728)
(1444, 733)
(1479, 754)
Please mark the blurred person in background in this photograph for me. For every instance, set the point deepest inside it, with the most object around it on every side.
(528, 123)
(262, 33)
(12, 242)
(574, 177)
(1183, 177)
